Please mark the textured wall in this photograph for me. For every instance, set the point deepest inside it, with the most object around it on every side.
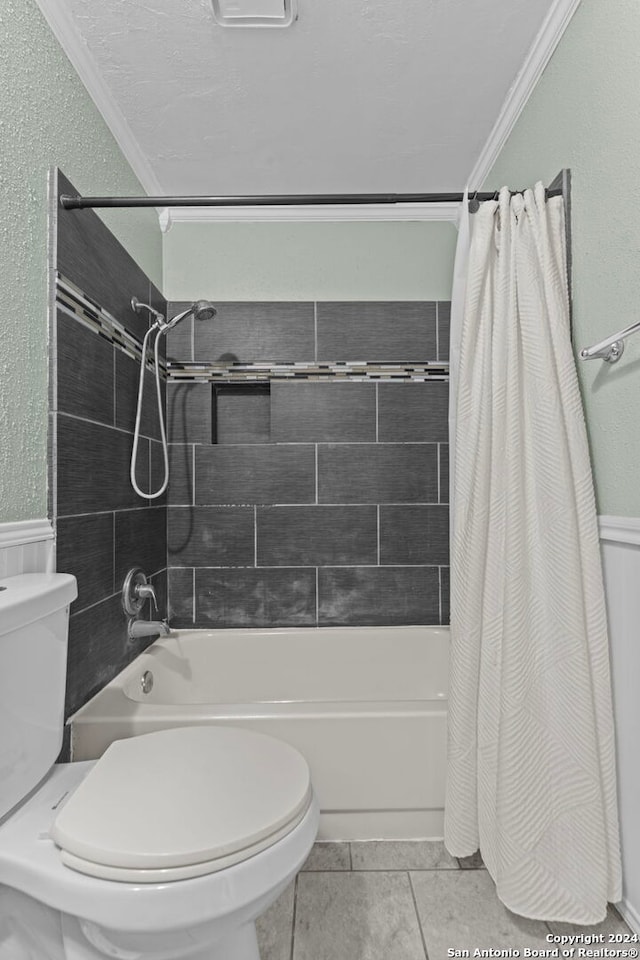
(46, 118)
(585, 114)
(309, 261)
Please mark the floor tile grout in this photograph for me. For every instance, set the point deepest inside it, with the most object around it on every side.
(326, 883)
(293, 916)
(447, 870)
(415, 907)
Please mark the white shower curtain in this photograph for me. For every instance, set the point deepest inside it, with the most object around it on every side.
(531, 778)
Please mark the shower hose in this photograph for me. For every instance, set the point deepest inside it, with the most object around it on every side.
(163, 432)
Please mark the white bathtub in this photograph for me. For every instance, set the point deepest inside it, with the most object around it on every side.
(365, 705)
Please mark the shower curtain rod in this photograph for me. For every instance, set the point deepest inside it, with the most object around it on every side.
(80, 203)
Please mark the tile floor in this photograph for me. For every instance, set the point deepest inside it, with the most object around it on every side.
(398, 900)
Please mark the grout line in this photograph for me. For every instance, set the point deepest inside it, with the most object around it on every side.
(310, 566)
(287, 443)
(316, 470)
(415, 907)
(437, 329)
(255, 535)
(378, 529)
(438, 469)
(446, 870)
(293, 917)
(100, 513)
(193, 595)
(377, 431)
(302, 504)
(53, 468)
(105, 426)
(113, 571)
(440, 594)
(315, 331)
(317, 597)
(193, 475)
(97, 603)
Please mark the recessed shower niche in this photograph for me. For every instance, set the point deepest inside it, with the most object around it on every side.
(240, 412)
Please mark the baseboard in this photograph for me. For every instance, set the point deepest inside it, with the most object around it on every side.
(344, 825)
(629, 915)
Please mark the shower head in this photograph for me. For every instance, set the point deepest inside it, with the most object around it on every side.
(200, 309)
(203, 310)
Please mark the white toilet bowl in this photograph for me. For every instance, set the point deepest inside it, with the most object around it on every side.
(168, 847)
(50, 911)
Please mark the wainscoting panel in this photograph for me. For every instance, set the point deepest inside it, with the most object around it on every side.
(620, 539)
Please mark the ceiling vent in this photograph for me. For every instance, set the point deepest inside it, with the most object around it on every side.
(254, 13)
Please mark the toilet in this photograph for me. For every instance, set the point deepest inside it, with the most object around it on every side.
(168, 846)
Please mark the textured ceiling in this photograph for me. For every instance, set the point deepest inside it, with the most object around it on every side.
(356, 96)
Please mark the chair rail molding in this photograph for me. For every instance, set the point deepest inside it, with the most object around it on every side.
(26, 546)
(619, 529)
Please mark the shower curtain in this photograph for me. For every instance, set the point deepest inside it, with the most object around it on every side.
(531, 772)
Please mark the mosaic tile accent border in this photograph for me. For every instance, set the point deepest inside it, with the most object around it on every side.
(75, 303)
(70, 299)
(358, 371)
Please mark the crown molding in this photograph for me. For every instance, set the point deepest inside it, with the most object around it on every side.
(619, 529)
(547, 39)
(24, 531)
(310, 214)
(64, 29)
(554, 25)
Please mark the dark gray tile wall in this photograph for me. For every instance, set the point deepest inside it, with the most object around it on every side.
(316, 411)
(255, 473)
(103, 527)
(248, 597)
(404, 330)
(324, 502)
(256, 331)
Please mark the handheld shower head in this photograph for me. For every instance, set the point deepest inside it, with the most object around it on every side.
(201, 310)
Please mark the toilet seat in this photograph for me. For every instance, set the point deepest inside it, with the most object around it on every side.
(182, 803)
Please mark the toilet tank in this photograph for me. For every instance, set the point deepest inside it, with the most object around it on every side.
(34, 620)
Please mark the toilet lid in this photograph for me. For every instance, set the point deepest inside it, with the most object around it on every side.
(182, 802)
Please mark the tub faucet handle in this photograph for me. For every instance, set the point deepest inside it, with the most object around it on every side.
(146, 591)
(136, 590)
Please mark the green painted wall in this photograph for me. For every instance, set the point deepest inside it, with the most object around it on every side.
(585, 114)
(309, 261)
(46, 119)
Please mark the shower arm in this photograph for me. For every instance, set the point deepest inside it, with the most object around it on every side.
(612, 348)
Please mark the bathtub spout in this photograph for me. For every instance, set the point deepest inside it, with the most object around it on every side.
(148, 628)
